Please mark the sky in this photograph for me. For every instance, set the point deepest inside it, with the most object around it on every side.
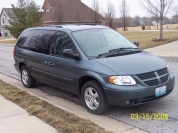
(134, 6)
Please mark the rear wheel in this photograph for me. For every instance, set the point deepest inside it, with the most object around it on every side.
(26, 78)
(94, 98)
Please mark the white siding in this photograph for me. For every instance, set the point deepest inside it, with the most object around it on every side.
(4, 21)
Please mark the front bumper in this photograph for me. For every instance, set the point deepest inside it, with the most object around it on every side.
(138, 94)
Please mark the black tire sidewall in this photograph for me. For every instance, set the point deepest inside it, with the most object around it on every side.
(31, 80)
(102, 98)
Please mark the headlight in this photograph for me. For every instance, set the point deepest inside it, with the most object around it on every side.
(122, 80)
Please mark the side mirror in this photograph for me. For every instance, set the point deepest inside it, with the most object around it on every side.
(69, 53)
(136, 43)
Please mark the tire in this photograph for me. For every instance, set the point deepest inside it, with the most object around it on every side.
(26, 78)
(94, 98)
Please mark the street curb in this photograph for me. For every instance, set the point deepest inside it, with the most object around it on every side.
(101, 120)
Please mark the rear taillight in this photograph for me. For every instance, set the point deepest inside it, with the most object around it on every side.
(14, 52)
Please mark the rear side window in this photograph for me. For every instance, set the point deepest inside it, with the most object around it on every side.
(42, 41)
(37, 40)
(24, 40)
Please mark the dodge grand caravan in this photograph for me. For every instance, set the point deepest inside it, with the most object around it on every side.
(95, 62)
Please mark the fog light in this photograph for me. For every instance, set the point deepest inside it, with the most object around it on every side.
(127, 102)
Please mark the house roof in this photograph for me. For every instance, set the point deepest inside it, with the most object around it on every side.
(52, 3)
(70, 10)
(8, 11)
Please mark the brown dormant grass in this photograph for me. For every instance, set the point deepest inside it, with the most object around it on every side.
(61, 120)
(145, 37)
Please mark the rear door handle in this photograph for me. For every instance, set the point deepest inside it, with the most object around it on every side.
(44, 62)
(50, 64)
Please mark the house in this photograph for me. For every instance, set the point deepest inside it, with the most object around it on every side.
(5, 15)
(68, 12)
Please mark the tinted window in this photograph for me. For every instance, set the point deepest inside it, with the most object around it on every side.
(24, 40)
(62, 41)
(42, 41)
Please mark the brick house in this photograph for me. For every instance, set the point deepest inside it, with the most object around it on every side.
(68, 12)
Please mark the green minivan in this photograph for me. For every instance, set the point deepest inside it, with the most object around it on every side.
(95, 62)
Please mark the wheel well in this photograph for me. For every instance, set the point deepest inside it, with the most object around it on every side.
(83, 80)
(21, 65)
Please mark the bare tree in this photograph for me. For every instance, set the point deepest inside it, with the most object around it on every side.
(176, 15)
(137, 19)
(110, 15)
(124, 12)
(95, 7)
(60, 11)
(156, 18)
(162, 7)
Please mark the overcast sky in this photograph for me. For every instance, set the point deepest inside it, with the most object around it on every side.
(134, 6)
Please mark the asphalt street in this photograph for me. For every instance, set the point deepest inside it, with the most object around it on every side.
(168, 104)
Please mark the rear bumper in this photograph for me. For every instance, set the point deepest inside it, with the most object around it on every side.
(138, 94)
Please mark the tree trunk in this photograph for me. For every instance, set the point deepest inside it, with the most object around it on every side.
(161, 29)
(157, 25)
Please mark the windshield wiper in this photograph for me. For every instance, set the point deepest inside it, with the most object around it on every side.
(102, 55)
(121, 49)
(113, 51)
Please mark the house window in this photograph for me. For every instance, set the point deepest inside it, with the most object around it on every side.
(47, 11)
(3, 20)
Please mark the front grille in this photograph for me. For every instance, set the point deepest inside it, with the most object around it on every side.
(154, 78)
(164, 79)
(147, 75)
(162, 71)
(152, 82)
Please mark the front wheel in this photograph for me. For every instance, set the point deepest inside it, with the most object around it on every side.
(26, 78)
(94, 98)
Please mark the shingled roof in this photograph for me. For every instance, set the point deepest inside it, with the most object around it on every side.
(8, 11)
(70, 8)
(52, 3)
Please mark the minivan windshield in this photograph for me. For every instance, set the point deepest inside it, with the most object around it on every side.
(95, 42)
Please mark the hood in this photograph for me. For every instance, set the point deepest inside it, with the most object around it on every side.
(133, 64)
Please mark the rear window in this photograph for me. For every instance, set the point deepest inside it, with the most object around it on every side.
(24, 39)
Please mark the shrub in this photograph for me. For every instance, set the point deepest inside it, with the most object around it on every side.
(143, 27)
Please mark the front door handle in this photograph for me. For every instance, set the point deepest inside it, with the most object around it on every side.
(44, 62)
(50, 64)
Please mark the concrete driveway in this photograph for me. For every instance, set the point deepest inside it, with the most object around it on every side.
(168, 104)
(167, 50)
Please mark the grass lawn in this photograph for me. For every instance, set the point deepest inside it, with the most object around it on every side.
(145, 37)
(61, 120)
(7, 41)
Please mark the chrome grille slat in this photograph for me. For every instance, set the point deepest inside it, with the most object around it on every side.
(162, 71)
(147, 75)
(151, 79)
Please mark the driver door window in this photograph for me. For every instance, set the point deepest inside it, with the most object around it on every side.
(62, 41)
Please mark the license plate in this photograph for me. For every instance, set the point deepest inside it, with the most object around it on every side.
(160, 91)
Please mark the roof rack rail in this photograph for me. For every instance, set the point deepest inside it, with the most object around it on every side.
(89, 24)
(57, 26)
(35, 26)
